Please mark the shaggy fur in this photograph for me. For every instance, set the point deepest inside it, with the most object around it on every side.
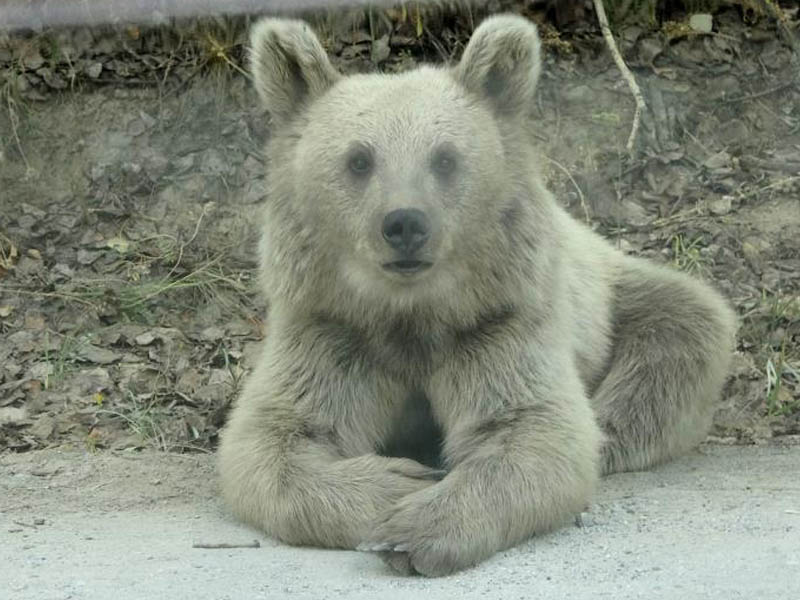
(442, 415)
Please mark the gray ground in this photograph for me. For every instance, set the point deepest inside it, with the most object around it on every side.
(721, 523)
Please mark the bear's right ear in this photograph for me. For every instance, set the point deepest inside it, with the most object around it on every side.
(501, 63)
(289, 66)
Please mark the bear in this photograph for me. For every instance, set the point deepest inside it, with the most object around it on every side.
(451, 360)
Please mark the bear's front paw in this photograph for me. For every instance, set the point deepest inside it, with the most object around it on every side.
(421, 535)
(399, 562)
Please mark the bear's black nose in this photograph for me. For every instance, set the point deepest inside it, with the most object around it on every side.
(406, 229)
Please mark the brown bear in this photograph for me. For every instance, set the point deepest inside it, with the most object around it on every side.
(451, 359)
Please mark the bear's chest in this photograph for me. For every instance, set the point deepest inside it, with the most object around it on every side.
(414, 434)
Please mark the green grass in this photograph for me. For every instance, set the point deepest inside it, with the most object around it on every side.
(145, 419)
(687, 255)
(60, 361)
(137, 296)
(769, 328)
(780, 399)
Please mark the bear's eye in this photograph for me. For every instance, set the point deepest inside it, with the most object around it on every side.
(444, 162)
(359, 161)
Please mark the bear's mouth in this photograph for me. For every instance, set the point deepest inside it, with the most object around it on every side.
(407, 267)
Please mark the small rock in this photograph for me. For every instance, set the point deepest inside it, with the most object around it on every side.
(752, 255)
(91, 382)
(11, 415)
(127, 442)
(40, 371)
(212, 334)
(380, 49)
(22, 341)
(578, 93)
(33, 59)
(137, 127)
(720, 206)
(185, 163)
(28, 266)
(217, 376)
(119, 243)
(12, 369)
(633, 213)
(239, 327)
(777, 337)
(145, 339)
(97, 172)
(156, 165)
(62, 271)
(52, 79)
(625, 246)
(35, 321)
(724, 86)
(43, 427)
(95, 354)
(87, 257)
(702, 22)
(215, 163)
(631, 33)
(718, 160)
(33, 211)
(190, 381)
(349, 53)
(733, 132)
(146, 119)
(93, 70)
(649, 48)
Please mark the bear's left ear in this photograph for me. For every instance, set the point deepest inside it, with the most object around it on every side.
(289, 66)
(502, 62)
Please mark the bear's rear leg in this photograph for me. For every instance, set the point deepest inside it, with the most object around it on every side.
(672, 342)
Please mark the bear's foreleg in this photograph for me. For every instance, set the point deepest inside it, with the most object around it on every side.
(297, 456)
(522, 448)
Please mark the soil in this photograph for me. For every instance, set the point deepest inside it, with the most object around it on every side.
(130, 174)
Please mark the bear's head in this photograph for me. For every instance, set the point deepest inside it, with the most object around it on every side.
(403, 190)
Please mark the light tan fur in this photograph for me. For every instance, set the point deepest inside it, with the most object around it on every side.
(442, 415)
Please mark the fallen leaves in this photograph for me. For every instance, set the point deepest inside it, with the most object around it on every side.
(127, 311)
(8, 255)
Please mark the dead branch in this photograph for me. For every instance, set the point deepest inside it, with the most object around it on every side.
(626, 72)
(224, 546)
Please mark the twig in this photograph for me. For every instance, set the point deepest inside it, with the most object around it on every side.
(760, 94)
(21, 524)
(223, 546)
(191, 239)
(626, 72)
(14, 118)
(574, 183)
(62, 296)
